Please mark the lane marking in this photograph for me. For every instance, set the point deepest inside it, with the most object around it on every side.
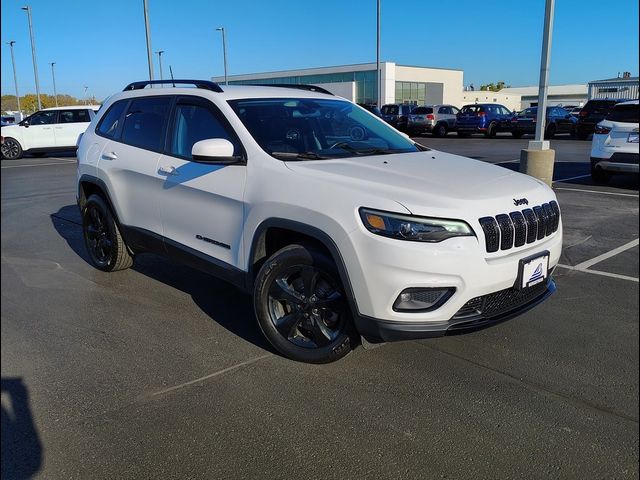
(598, 272)
(609, 254)
(598, 191)
(571, 178)
(37, 165)
(212, 375)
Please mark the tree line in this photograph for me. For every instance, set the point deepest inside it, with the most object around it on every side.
(29, 102)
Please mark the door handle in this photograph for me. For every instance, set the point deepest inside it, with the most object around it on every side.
(59, 128)
(170, 170)
(109, 156)
(46, 128)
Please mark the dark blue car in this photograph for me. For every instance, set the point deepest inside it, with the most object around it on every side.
(558, 121)
(487, 118)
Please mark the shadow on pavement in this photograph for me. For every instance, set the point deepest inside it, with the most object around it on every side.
(21, 446)
(220, 301)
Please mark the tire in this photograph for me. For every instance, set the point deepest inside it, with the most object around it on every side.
(440, 130)
(11, 149)
(491, 130)
(550, 132)
(289, 292)
(517, 134)
(105, 245)
(582, 135)
(600, 176)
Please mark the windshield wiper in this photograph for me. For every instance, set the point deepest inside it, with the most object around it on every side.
(298, 156)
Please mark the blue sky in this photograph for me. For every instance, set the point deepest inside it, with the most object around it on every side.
(101, 44)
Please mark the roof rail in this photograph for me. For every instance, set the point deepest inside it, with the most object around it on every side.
(206, 84)
(311, 88)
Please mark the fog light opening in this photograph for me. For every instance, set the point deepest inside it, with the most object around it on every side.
(422, 299)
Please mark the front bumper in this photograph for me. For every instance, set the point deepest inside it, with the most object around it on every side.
(375, 330)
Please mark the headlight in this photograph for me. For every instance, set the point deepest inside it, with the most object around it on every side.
(416, 229)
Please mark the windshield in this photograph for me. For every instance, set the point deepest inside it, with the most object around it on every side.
(317, 129)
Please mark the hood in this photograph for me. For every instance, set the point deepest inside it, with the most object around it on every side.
(431, 182)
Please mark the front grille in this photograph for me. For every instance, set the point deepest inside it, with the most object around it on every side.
(517, 228)
(499, 303)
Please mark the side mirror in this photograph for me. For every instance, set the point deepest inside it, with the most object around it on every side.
(24, 123)
(214, 150)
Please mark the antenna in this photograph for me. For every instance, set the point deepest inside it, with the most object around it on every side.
(171, 72)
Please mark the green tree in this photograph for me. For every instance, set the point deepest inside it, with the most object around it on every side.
(29, 102)
(494, 87)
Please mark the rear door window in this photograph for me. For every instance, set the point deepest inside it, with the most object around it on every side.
(390, 110)
(471, 109)
(625, 113)
(145, 123)
(73, 116)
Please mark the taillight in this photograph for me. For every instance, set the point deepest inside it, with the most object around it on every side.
(482, 114)
(583, 113)
(430, 117)
(602, 130)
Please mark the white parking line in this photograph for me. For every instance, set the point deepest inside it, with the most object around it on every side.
(598, 272)
(571, 178)
(37, 165)
(604, 256)
(598, 191)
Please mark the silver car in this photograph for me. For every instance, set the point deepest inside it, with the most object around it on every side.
(435, 119)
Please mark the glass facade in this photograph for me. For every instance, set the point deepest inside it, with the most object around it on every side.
(366, 83)
(411, 92)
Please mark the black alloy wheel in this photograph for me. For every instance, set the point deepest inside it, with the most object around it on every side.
(440, 130)
(301, 306)
(491, 130)
(11, 149)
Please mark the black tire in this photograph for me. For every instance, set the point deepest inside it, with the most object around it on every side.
(491, 130)
(11, 149)
(550, 132)
(105, 245)
(600, 176)
(440, 130)
(517, 134)
(290, 290)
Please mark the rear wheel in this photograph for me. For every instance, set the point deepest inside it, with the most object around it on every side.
(550, 132)
(11, 149)
(440, 130)
(491, 130)
(102, 237)
(301, 306)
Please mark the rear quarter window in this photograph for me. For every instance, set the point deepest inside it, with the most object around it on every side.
(108, 126)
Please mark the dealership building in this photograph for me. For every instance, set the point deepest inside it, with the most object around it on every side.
(358, 83)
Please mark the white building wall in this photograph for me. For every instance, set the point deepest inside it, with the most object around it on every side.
(388, 74)
(341, 89)
(511, 101)
(450, 79)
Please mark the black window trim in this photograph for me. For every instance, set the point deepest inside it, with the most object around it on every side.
(116, 135)
(199, 101)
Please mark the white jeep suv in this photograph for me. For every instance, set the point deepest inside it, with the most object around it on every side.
(615, 147)
(337, 223)
(48, 130)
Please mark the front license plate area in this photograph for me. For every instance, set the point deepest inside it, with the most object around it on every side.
(633, 137)
(533, 270)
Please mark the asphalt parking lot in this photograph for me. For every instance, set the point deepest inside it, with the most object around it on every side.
(161, 371)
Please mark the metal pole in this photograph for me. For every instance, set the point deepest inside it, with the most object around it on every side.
(148, 32)
(160, 52)
(33, 55)
(15, 78)
(544, 70)
(224, 54)
(378, 72)
(53, 74)
(86, 101)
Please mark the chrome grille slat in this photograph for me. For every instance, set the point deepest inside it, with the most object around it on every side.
(506, 231)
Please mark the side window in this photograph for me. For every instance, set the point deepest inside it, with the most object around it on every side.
(145, 123)
(73, 116)
(193, 123)
(455, 111)
(109, 123)
(43, 118)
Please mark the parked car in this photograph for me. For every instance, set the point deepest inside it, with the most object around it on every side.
(8, 120)
(48, 130)
(397, 115)
(332, 229)
(575, 112)
(435, 119)
(591, 114)
(487, 118)
(615, 147)
(371, 108)
(558, 120)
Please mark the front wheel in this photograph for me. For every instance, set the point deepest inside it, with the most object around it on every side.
(301, 306)
(440, 130)
(11, 149)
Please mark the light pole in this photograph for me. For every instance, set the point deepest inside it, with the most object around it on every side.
(33, 54)
(86, 100)
(15, 78)
(148, 32)
(224, 53)
(53, 74)
(378, 73)
(160, 52)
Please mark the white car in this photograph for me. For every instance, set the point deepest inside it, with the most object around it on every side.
(334, 221)
(615, 147)
(48, 130)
